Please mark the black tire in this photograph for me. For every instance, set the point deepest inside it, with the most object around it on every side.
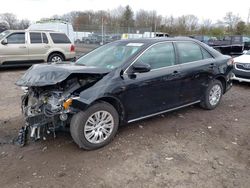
(205, 103)
(78, 122)
(54, 56)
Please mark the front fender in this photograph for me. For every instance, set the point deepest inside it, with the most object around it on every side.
(106, 87)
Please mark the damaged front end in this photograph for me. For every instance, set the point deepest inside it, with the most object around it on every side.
(47, 108)
(44, 111)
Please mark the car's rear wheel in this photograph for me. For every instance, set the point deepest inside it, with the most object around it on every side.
(55, 58)
(212, 96)
(95, 127)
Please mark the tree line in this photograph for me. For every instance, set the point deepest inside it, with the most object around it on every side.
(124, 19)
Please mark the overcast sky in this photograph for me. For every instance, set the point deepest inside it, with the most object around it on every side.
(209, 9)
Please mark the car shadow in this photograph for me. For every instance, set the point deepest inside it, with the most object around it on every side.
(13, 69)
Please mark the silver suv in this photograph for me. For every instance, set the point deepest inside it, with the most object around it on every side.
(23, 47)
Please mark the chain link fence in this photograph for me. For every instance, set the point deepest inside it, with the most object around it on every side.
(88, 37)
(102, 34)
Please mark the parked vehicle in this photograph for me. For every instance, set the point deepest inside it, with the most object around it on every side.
(99, 39)
(119, 83)
(203, 38)
(242, 67)
(228, 44)
(23, 47)
(55, 25)
(92, 39)
(79, 36)
(246, 40)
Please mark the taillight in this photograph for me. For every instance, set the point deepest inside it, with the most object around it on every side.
(231, 62)
(72, 48)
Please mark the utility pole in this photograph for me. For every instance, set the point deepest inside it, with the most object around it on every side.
(102, 30)
(248, 17)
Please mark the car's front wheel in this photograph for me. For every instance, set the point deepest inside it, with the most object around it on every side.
(212, 96)
(95, 127)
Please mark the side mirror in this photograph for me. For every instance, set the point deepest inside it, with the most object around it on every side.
(245, 51)
(4, 42)
(141, 67)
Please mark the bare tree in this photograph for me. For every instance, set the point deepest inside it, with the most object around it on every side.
(143, 18)
(241, 28)
(191, 22)
(10, 19)
(23, 24)
(231, 20)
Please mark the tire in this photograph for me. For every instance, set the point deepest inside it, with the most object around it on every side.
(209, 102)
(81, 128)
(55, 58)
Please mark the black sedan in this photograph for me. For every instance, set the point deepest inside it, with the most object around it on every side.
(119, 83)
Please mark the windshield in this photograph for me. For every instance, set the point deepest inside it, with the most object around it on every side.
(111, 55)
(3, 34)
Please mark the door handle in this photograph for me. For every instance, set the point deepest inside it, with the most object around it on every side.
(22, 47)
(212, 65)
(175, 73)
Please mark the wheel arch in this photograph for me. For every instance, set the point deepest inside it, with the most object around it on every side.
(222, 79)
(116, 103)
(55, 52)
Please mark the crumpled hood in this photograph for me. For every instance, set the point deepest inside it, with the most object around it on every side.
(51, 74)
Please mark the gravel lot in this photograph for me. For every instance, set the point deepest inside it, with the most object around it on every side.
(190, 147)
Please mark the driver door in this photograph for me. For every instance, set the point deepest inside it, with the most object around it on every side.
(154, 91)
(16, 49)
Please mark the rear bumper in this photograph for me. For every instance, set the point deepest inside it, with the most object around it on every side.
(70, 56)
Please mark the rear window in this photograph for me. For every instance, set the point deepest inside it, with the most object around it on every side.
(189, 52)
(59, 38)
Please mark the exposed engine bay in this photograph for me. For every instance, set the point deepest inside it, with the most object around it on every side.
(47, 108)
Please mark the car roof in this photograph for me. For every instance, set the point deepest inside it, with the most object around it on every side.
(36, 30)
(151, 41)
(158, 39)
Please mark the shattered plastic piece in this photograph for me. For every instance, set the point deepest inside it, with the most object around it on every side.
(169, 158)
(45, 148)
(21, 139)
(180, 116)
(209, 127)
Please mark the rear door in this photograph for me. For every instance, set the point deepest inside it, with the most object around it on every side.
(38, 46)
(16, 51)
(157, 90)
(197, 65)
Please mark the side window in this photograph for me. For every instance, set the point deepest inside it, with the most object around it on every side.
(158, 56)
(16, 38)
(59, 38)
(188, 52)
(35, 38)
(206, 55)
(45, 39)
